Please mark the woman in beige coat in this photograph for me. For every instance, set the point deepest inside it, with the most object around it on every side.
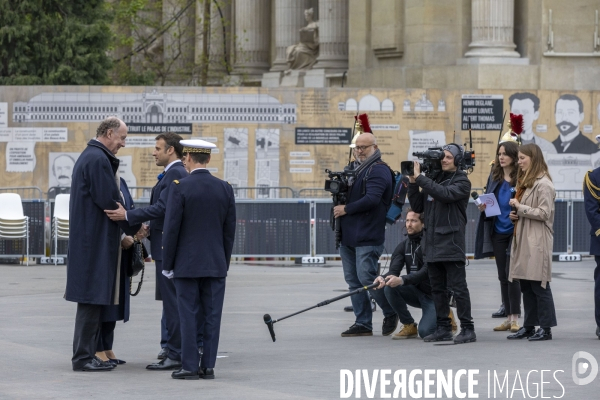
(531, 253)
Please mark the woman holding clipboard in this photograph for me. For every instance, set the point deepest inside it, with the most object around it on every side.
(494, 234)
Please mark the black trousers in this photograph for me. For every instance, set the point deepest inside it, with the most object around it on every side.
(511, 291)
(106, 336)
(450, 274)
(194, 296)
(85, 337)
(538, 304)
(169, 300)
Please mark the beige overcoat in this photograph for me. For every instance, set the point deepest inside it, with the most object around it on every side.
(531, 251)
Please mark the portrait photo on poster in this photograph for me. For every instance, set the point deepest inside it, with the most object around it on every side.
(61, 168)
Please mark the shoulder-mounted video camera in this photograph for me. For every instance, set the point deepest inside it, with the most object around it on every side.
(338, 181)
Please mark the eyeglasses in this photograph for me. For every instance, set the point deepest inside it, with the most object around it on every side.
(363, 148)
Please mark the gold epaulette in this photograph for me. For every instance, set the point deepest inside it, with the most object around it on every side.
(176, 182)
(593, 189)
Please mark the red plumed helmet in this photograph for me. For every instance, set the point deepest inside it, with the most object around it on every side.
(516, 123)
(363, 121)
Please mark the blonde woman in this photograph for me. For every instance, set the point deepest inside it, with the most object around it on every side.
(531, 253)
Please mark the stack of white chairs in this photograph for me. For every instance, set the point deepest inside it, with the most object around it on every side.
(13, 222)
(60, 221)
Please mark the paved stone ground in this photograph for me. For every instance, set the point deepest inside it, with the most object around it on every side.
(36, 328)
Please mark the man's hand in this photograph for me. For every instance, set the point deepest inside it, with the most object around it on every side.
(513, 216)
(339, 211)
(481, 207)
(393, 281)
(116, 215)
(381, 282)
(127, 242)
(416, 172)
(143, 232)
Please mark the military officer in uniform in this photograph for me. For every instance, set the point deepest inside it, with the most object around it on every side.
(198, 240)
(591, 196)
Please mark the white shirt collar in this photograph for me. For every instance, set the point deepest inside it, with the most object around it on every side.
(171, 164)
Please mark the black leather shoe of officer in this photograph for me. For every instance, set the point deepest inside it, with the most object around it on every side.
(348, 308)
(95, 365)
(163, 353)
(183, 374)
(598, 331)
(207, 373)
(164, 365)
(522, 333)
(501, 313)
(541, 334)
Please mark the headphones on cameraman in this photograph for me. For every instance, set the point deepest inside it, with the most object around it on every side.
(459, 158)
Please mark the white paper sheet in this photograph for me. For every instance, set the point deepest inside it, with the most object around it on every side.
(492, 208)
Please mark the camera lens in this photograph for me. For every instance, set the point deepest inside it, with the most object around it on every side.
(334, 186)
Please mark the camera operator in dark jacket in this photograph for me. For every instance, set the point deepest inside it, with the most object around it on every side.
(412, 289)
(444, 201)
(362, 222)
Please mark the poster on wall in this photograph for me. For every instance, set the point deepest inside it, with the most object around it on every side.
(287, 138)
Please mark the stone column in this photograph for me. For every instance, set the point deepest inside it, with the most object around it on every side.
(333, 35)
(289, 18)
(492, 29)
(252, 37)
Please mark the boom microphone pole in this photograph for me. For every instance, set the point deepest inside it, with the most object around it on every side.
(269, 321)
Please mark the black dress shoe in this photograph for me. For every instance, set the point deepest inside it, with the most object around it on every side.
(164, 365)
(207, 373)
(541, 334)
(521, 334)
(501, 313)
(116, 361)
(163, 353)
(348, 308)
(598, 331)
(95, 365)
(183, 374)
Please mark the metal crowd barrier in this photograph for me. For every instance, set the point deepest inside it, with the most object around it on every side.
(294, 227)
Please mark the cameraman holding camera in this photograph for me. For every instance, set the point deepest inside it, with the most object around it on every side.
(444, 201)
(362, 222)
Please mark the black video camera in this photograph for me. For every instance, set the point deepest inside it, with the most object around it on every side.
(337, 184)
(432, 162)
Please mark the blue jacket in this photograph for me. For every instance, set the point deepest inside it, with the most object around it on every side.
(156, 212)
(94, 240)
(199, 227)
(592, 210)
(367, 205)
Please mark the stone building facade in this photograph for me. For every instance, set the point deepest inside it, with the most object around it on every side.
(442, 44)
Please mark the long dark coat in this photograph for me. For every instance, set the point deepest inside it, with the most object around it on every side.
(94, 240)
(199, 227)
(120, 311)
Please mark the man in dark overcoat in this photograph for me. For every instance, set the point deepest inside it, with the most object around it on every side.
(95, 241)
(198, 241)
(167, 153)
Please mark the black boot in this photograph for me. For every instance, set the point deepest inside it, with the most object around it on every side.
(440, 335)
(501, 313)
(466, 335)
